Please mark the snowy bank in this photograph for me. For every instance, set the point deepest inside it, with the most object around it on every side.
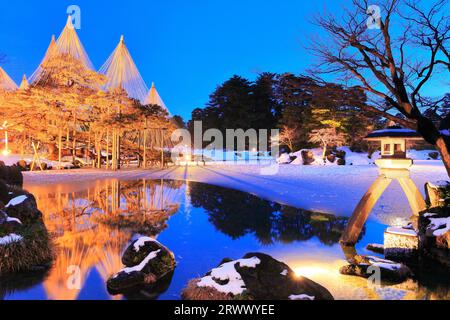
(351, 158)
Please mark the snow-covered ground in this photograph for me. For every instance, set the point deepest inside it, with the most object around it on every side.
(351, 158)
(13, 159)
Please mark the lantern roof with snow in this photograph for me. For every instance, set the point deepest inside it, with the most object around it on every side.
(394, 141)
(395, 132)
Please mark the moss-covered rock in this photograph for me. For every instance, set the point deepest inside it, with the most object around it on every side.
(28, 248)
(24, 242)
(256, 276)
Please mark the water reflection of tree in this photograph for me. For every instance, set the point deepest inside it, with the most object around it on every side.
(237, 214)
(82, 241)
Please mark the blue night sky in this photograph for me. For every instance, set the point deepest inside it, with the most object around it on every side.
(186, 47)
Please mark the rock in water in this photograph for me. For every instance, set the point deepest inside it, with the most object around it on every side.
(367, 266)
(27, 248)
(147, 262)
(256, 276)
(434, 155)
(376, 248)
(23, 206)
(11, 175)
(400, 243)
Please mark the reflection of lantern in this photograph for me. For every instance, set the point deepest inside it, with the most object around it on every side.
(394, 165)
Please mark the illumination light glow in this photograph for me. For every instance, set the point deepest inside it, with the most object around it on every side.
(318, 270)
(6, 153)
(309, 271)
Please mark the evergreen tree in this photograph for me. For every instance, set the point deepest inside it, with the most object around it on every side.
(267, 108)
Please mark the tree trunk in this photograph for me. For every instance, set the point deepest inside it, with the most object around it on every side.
(74, 149)
(324, 154)
(60, 146)
(95, 148)
(118, 150)
(114, 153)
(162, 149)
(99, 153)
(107, 149)
(89, 148)
(431, 134)
(445, 153)
(68, 138)
(145, 150)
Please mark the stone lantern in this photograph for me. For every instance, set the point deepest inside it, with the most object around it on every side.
(393, 165)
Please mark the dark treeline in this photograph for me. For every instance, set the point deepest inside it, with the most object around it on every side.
(296, 105)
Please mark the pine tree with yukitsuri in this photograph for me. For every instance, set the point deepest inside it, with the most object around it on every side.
(221, 151)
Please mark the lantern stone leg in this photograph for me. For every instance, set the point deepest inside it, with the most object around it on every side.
(363, 209)
(415, 198)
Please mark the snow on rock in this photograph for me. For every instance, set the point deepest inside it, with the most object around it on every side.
(146, 262)
(227, 272)
(11, 238)
(257, 276)
(401, 242)
(384, 264)
(10, 219)
(284, 159)
(16, 201)
(439, 184)
(429, 215)
(301, 297)
(438, 226)
(142, 265)
(402, 231)
(363, 266)
(141, 242)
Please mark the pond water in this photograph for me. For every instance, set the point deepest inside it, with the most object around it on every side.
(93, 223)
